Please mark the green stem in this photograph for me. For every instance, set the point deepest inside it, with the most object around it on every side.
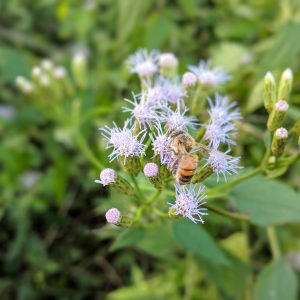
(137, 188)
(226, 213)
(237, 180)
(273, 241)
(81, 142)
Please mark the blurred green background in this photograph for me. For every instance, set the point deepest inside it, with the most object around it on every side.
(53, 237)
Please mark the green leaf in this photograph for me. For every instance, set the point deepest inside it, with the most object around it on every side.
(255, 99)
(267, 202)
(127, 238)
(276, 282)
(196, 239)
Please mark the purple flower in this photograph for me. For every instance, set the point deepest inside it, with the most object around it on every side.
(168, 60)
(123, 141)
(143, 111)
(151, 170)
(113, 216)
(188, 202)
(189, 79)
(176, 120)
(143, 63)
(107, 176)
(222, 163)
(208, 76)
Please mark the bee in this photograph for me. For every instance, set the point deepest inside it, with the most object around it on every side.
(185, 163)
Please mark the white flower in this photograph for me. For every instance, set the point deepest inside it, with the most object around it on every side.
(143, 111)
(143, 63)
(123, 142)
(168, 60)
(222, 163)
(188, 202)
(177, 119)
(208, 76)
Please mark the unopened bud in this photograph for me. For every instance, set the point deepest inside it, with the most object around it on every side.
(202, 173)
(277, 115)
(44, 80)
(47, 65)
(59, 73)
(168, 64)
(279, 141)
(24, 85)
(189, 80)
(79, 70)
(113, 216)
(132, 165)
(110, 177)
(269, 91)
(285, 85)
(151, 171)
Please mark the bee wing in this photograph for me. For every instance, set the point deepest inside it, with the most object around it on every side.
(200, 148)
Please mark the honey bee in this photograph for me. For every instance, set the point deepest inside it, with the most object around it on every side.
(185, 163)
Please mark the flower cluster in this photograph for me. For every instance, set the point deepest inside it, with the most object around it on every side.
(159, 125)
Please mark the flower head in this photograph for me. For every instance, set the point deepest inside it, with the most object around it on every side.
(107, 176)
(189, 79)
(222, 163)
(143, 111)
(221, 128)
(168, 60)
(151, 170)
(188, 202)
(143, 63)
(161, 145)
(208, 76)
(178, 120)
(123, 141)
(113, 216)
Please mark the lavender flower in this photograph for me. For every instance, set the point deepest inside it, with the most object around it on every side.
(151, 170)
(143, 63)
(168, 60)
(123, 141)
(188, 202)
(189, 79)
(222, 163)
(177, 119)
(143, 111)
(221, 128)
(113, 216)
(161, 145)
(208, 76)
(107, 176)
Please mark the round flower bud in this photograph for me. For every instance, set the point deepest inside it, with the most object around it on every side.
(36, 72)
(59, 72)
(151, 170)
(168, 60)
(44, 80)
(113, 216)
(47, 64)
(189, 79)
(107, 176)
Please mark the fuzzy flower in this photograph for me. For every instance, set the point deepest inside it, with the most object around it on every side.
(177, 119)
(123, 141)
(161, 145)
(151, 170)
(208, 76)
(221, 128)
(172, 91)
(189, 79)
(113, 216)
(188, 202)
(222, 163)
(107, 176)
(143, 111)
(143, 63)
(156, 95)
(168, 60)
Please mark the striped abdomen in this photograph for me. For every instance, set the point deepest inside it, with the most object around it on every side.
(187, 166)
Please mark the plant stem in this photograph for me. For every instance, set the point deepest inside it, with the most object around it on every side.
(237, 180)
(87, 151)
(226, 213)
(137, 188)
(273, 241)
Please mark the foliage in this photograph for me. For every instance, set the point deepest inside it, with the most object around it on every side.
(55, 242)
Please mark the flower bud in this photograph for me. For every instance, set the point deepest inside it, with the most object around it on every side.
(279, 141)
(24, 85)
(151, 171)
(36, 73)
(60, 75)
(79, 70)
(202, 173)
(110, 177)
(269, 91)
(277, 115)
(168, 64)
(189, 80)
(285, 85)
(113, 216)
(132, 165)
(47, 65)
